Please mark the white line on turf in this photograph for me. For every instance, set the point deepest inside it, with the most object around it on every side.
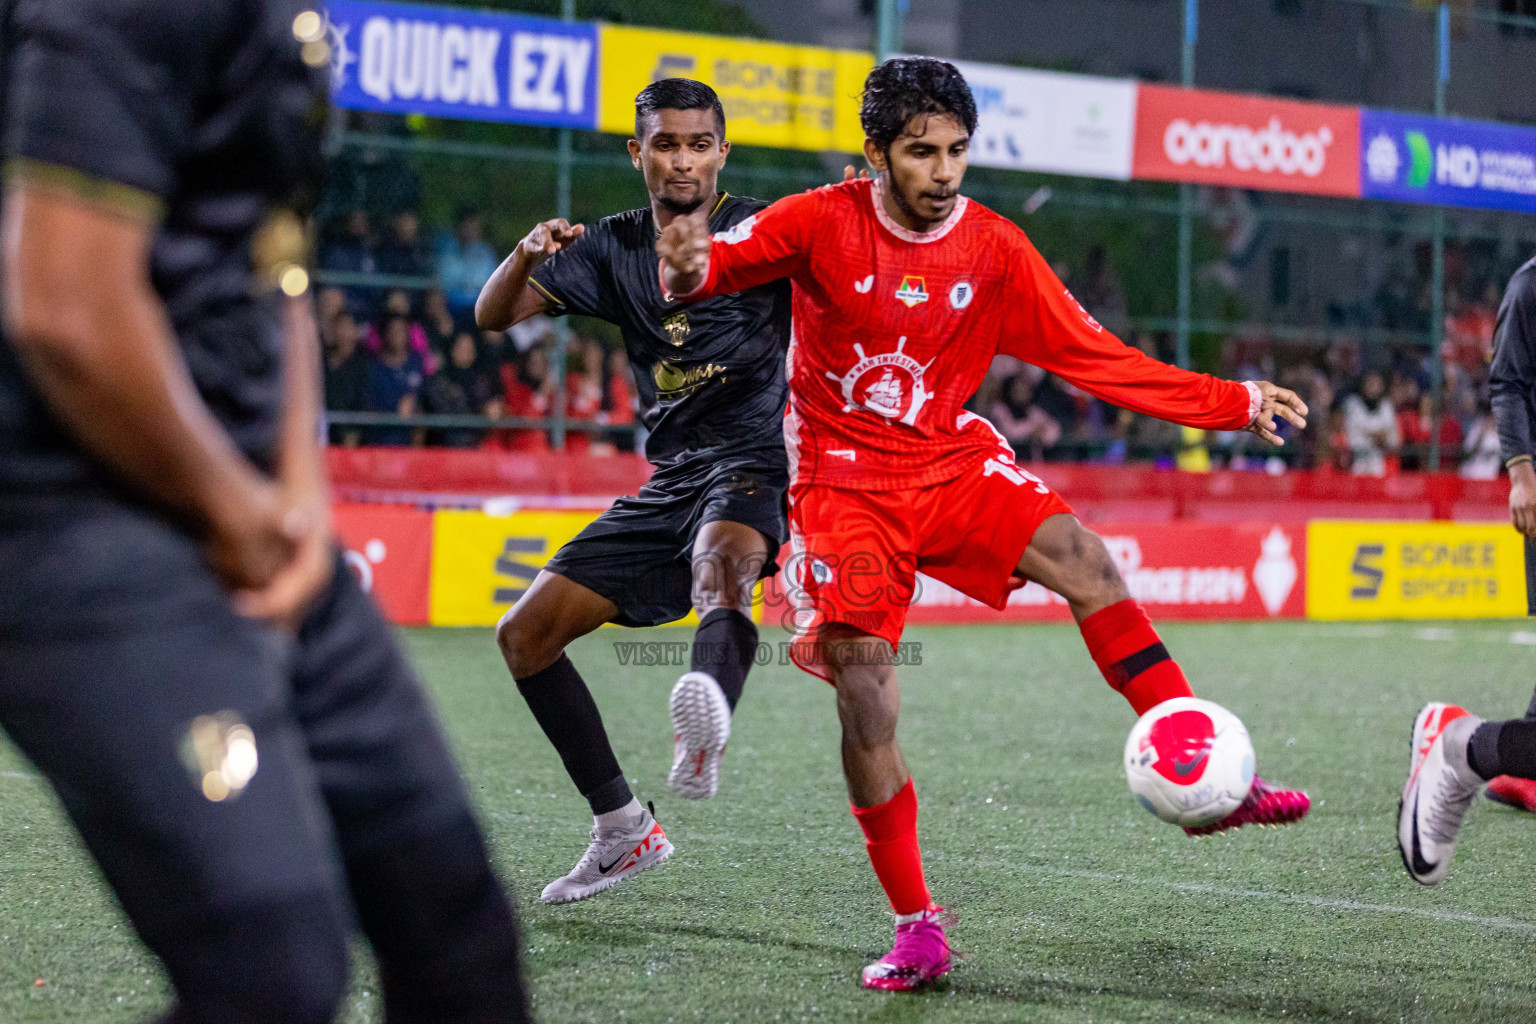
(1322, 903)
(18, 775)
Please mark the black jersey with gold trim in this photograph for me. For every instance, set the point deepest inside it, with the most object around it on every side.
(710, 375)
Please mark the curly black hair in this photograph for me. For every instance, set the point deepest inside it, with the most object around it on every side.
(907, 87)
(676, 94)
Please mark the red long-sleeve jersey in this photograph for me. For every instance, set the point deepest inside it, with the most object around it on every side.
(894, 330)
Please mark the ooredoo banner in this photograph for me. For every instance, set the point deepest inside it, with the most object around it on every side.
(389, 549)
(1051, 122)
(1219, 138)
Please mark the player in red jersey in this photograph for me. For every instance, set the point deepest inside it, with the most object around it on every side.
(904, 291)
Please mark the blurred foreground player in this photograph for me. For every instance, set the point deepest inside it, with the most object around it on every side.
(1453, 751)
(709, 522)
(904, 291)
(222, 712)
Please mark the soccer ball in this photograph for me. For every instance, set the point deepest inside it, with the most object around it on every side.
(1189, 761)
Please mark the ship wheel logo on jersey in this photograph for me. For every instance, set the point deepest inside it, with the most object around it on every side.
(889, 385)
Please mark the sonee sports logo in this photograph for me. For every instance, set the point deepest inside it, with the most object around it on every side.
(912, 291)
(1367, 572)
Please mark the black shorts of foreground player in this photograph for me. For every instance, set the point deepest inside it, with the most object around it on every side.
(709, 523)
(223, 714)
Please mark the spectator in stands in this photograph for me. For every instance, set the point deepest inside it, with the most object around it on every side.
(584, 390)
(1020, 419)
(619, 401)
(395, 381)
(1484, 460)
(402, 252)
(463, 386)
(438, 322)
(348, 249)
(464, 261)
(1417, 426)
(1371, 424)
(528, 389)
(346, 376)
(497, 350)
(397, 304)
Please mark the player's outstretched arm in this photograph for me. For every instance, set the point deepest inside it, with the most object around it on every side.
(771, 244)
(94, 339)
(507, 298)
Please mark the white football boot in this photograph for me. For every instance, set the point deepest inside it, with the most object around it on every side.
(701, 725)
(616, 852)
(1440, 788)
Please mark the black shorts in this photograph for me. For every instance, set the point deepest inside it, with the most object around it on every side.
(638, 554)
(115, 639)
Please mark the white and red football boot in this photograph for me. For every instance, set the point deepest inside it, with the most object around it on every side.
(616, 853)
(701, 726)
(1439, 791)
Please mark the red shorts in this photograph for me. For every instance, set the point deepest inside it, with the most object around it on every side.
(856, 554)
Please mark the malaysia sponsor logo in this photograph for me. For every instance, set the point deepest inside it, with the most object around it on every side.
(890, 385)
(1270, 149)
(961, 294)
(912, 291)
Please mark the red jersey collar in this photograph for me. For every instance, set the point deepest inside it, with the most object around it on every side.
(907, 234)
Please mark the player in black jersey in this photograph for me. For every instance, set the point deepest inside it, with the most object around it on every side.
(1453, 751)
(709, 522)
(221, 710)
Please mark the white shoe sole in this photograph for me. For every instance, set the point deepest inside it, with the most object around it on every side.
(650, 860)
(701, 721)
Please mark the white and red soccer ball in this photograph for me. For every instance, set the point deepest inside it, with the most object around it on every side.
(1189, 761)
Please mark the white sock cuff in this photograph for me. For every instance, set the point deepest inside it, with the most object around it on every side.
(624, 814)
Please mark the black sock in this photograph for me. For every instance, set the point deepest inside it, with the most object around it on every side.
(563, 705)
(1530, 710)
(1504, 748)
(724, 646)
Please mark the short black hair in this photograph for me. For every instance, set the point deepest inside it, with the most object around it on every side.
(906, 87)
(676, 94)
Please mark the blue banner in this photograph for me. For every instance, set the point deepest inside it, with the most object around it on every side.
(1415, 158)
(454, 62)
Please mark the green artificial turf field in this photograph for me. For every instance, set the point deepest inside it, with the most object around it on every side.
(1075, 904)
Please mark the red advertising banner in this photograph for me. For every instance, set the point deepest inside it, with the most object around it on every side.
(389, 547)
(1219, 138)
(1180, 570)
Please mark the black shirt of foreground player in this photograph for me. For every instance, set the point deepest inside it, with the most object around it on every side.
(197, 114)
(710, 375)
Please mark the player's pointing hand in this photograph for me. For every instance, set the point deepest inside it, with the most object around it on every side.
(548, 238)
(1277, 401)
(684, 250)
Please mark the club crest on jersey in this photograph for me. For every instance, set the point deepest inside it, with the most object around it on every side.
(961, 294)
(889, 385)
(912, 291)
(676, 327)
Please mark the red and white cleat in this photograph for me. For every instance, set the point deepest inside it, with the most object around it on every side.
(701, 726)
(616, 853)
(920, 956)
(1264, 805)
(1512, 792)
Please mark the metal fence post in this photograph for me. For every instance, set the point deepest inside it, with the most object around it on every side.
(1437, 260)
(562, 209)
(1187, 198)
(888, 29)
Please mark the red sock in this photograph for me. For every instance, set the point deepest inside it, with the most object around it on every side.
(1133, 659)
(890, 836)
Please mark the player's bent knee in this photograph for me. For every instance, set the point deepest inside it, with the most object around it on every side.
(1089, 575)
(527, 646)
(282, 964)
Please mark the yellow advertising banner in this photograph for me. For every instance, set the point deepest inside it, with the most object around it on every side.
(1414, 570)
(774, 94)
(482, 564)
